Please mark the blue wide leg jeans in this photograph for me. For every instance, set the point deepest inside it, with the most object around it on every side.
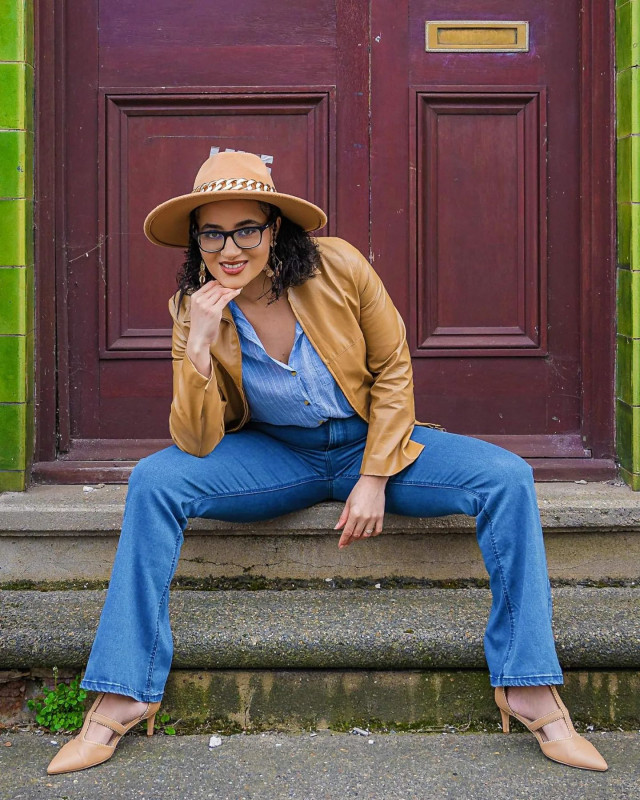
(264, 471)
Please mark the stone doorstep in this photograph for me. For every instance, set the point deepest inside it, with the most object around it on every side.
(42, 510)
(61, 533)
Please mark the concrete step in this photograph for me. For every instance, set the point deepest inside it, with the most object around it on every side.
(332, 766)
(332, 629)
(290, 659)
(64, 534)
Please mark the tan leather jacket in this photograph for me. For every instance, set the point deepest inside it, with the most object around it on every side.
(352, 323)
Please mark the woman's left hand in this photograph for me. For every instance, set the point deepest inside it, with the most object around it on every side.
(364, 510)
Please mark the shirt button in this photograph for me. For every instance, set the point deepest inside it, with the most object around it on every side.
(293, 372)
(306, 402)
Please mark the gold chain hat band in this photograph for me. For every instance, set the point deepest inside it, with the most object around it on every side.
(226, 184)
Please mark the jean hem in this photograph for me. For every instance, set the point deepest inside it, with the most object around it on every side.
(118, 688)
(526, 680)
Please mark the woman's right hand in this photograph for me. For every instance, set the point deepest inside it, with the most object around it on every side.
(206, 313)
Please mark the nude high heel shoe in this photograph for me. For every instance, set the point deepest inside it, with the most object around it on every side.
(574, 750)
(80, 753)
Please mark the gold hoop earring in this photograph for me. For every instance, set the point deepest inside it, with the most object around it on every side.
(202, 277)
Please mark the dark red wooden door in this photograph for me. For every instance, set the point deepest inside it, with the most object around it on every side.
(479, 225)
(460, 175)
(150, 88)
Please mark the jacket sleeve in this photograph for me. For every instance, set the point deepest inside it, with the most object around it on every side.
(196, 420)
(389, 447)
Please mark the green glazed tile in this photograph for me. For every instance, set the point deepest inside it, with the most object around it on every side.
(635, 168)
(628, 370)
(634, 237)
(13, 366)
(635, 99)
(623, 169)
(623, 368)
(12, 481)
(632, 478)
(16, 164)
(30, 371)
(12, 30)
(628, 35)
(16, 96)
(628, 435)
(623, 103)
(628, 303)
(628, 235)
(16, 232)
(12, 435)
(29, 293)
(16, 30)
(29, 32)
(628, 102)
(30, 430)
(635, 32)
(623, 36)
(13, 282)
(623, 235)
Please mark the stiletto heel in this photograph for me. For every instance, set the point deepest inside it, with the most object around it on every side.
(505, 721)
(574, 750)
(80, 753)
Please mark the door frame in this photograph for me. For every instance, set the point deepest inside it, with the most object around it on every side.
(597, 242)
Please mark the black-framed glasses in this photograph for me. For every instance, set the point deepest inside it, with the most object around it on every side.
(213, 241)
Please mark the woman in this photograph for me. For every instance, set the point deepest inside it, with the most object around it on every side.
(292, 384)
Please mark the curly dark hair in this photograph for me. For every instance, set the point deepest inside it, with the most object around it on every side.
(297, 250)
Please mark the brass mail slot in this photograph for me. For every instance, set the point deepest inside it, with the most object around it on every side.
(481, 36)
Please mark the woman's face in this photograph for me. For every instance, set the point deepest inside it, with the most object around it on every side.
(234, 266)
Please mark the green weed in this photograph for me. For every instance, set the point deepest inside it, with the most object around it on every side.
(60, 708)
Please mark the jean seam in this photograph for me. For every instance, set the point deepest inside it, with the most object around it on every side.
(493, 548)
(530, 680)
(504, 586)
(255, 491)
(152, 657)
(528, 677)
(118, 685)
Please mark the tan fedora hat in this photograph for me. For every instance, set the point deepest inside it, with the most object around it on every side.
(226, 176)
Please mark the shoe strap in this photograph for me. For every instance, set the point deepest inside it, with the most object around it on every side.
(553, 716)
(113, 724)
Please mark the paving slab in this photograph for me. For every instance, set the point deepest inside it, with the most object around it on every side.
(328, 765)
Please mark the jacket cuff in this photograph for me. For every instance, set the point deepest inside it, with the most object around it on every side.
(195, 378)
(388, 464)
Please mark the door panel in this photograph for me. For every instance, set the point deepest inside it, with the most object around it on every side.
(145, 131)
(480, 222)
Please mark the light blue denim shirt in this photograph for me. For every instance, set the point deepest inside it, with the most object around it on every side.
(302, 392)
